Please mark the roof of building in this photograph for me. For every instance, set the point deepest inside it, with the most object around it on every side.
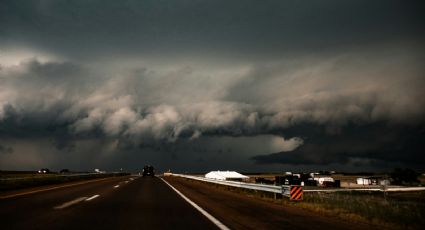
(223, 175)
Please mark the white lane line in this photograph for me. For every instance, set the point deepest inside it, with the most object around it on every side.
(116, 186)
(69, 203)
(205, 213)
(92, 197)
(126, 181)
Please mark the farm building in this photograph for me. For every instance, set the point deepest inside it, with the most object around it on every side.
(226, 175)
(372, 181)
(324, 180)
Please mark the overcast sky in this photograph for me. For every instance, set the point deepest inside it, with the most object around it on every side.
(197, 85)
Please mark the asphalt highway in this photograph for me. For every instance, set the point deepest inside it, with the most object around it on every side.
(114, 203)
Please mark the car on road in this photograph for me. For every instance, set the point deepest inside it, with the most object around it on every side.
(148, 170)
(44, 171)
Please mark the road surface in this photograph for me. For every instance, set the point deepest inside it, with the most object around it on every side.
(133, 202)
(114, 203)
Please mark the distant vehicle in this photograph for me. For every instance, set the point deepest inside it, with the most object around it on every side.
(148, 170)
(99, 171)
(44, 171)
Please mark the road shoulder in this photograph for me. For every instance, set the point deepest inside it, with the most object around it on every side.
(239, 211)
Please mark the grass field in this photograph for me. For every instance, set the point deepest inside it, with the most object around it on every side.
(404, 210)
(392, 210)
(12, 181)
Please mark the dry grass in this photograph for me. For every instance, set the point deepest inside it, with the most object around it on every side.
(397, 210)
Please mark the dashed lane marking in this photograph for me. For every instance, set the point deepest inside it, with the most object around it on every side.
(69, 203)
(92, 197)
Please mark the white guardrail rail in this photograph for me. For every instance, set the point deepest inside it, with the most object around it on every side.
(284, 188)
(258, 187)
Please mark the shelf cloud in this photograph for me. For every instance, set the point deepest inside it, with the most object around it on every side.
(135, 77)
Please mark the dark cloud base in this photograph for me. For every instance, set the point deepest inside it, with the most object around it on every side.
(6, 149)
(379, 145)
(98, 80)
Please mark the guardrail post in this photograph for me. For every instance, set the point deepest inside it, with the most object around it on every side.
(286, 190)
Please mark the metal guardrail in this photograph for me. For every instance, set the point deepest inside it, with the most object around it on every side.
(258, 187)
(284, 188)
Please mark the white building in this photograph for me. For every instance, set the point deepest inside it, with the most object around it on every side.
(226, 175)
(364, 181)
(372, 181)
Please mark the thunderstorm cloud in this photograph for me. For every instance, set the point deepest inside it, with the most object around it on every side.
(198, 85)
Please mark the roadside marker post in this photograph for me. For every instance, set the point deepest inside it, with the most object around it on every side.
(296, 193)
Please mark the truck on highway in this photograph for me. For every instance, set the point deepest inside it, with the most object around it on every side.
(148, 170)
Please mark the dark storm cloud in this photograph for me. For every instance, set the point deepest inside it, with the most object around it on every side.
(366, 114)
(60, 98)
(34, 96)
(378, 145)
(87, 28)
(5, 149)
(335, 78)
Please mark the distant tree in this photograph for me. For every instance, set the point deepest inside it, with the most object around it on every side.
(404, 176)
